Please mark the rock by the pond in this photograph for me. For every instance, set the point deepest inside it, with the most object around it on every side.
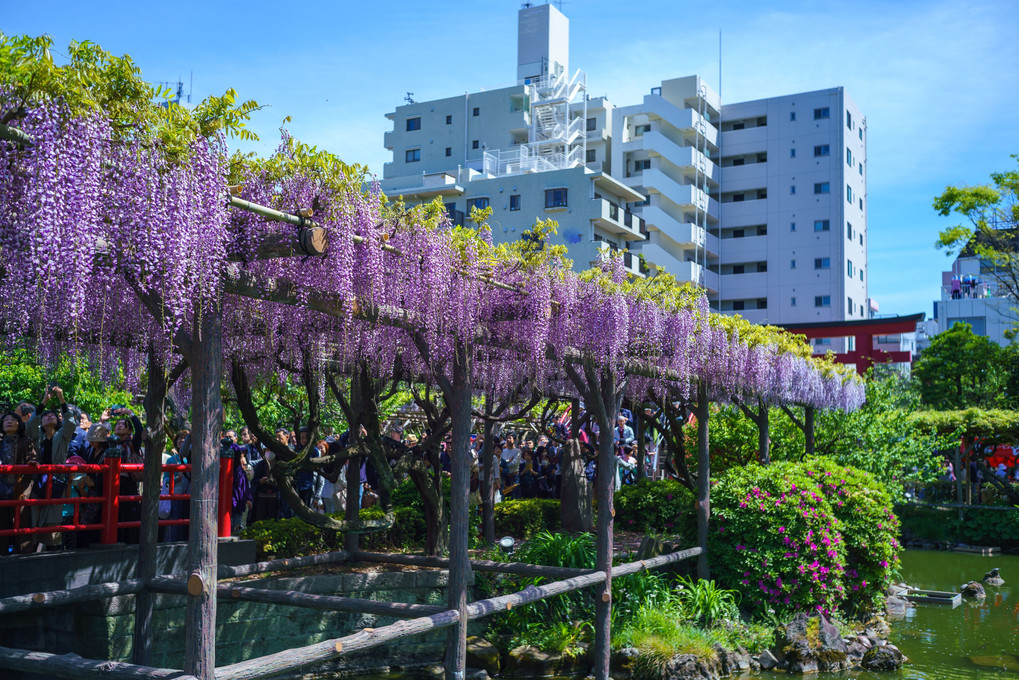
(993, 578)
(973, 590)
(895, 607)
(883, 658)
(482, 654)
(690, 667)
(767, 660)
(856, 650)
(811, 643)
(531, 662)
(621, 663)
(1008, 662)
(476, 674)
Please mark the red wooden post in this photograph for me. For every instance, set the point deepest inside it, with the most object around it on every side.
(226, 491)
(111, 508)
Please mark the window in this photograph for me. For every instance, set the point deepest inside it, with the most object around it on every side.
(861, 134)
(739, 269)
(515, 202)
(738, 126)
(738, 305)
(449, 151)
(738, 161)
(792, 264)
(792, 226)
(762, 267)
(792, 116)
(762, 158)
(822, 150)
(849, 157)
(861, 239)
(639, 130)
(476, 112)
(762, 193)
(475, 144)
(849, 193)
(762, 230)
(592, 124)
(414, 123)
(792, 302)
(849, 123)
(861, 275)
(822, 263)
(479, 203)
(792, 153)
(852, 307)
(738, 198)
(861, 169)
(762, 121)
(641, 165)
(592, 155)
(738, 233)
(861, 204)
(822, 188)
(449, 120)
(822, 300)
(762, 303)
(792, 189)
(849, 230)
(555, 198)
(849, 268)
(822, 225)
(822, 113)
(412, 155)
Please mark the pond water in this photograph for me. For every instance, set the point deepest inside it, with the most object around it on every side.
(966, 643)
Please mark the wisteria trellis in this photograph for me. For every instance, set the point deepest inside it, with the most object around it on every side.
(86, 219)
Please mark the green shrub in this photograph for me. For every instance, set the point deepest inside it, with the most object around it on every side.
(660, 507)
(869, 529)
(293, 537)
(705, 603)
(282, 538)
(776, 540)
(525, 517)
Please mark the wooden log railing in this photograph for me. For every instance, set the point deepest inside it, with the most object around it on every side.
(518, 568)
(74, 667)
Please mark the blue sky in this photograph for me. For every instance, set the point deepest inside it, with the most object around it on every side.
(936, 80)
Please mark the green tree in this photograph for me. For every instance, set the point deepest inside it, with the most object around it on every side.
(23, 378)
(991, 213)
(961, 370)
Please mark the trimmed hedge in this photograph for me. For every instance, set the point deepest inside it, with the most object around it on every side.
(525, 517)
(660, 507)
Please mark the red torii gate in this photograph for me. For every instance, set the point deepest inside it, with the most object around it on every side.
(864, 330)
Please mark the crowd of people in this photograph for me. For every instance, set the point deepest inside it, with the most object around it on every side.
(54, 432)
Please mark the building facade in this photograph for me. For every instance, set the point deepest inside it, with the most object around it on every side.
(762, 203)
(971, 293)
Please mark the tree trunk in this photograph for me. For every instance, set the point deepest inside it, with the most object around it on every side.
(459, 401)
(575, 498)
(488, 475)
(206, 364)
(611, 398)
(352, 507)
(763, 434)
(141, 649)
(808, 429)
(703, 481)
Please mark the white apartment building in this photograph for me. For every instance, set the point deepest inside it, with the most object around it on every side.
(976, 298)
(762, 203)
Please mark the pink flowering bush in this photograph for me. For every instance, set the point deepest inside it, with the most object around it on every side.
(779, 536)
(869, 529)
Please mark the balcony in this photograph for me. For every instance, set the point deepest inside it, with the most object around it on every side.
(746, 140)
(747, 249)
(741, 177)
(686, 159)
(631, 261)
(618, 221)
(685, 196)
(685, 120)
(387, 139)
(746, 286)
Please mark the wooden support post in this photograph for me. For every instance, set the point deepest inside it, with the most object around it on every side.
(459, 560)
(111, 494)
(488, 473)
(703, 481)
(763, 433)
(808, 429)
(611, 398)
(206, 363)
(286, 564)
(958, 480)
(155, 396)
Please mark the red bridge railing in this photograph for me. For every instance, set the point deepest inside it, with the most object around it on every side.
(110, 500)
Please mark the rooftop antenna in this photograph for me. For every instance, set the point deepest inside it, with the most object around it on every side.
(410, 98)
(527, 5)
